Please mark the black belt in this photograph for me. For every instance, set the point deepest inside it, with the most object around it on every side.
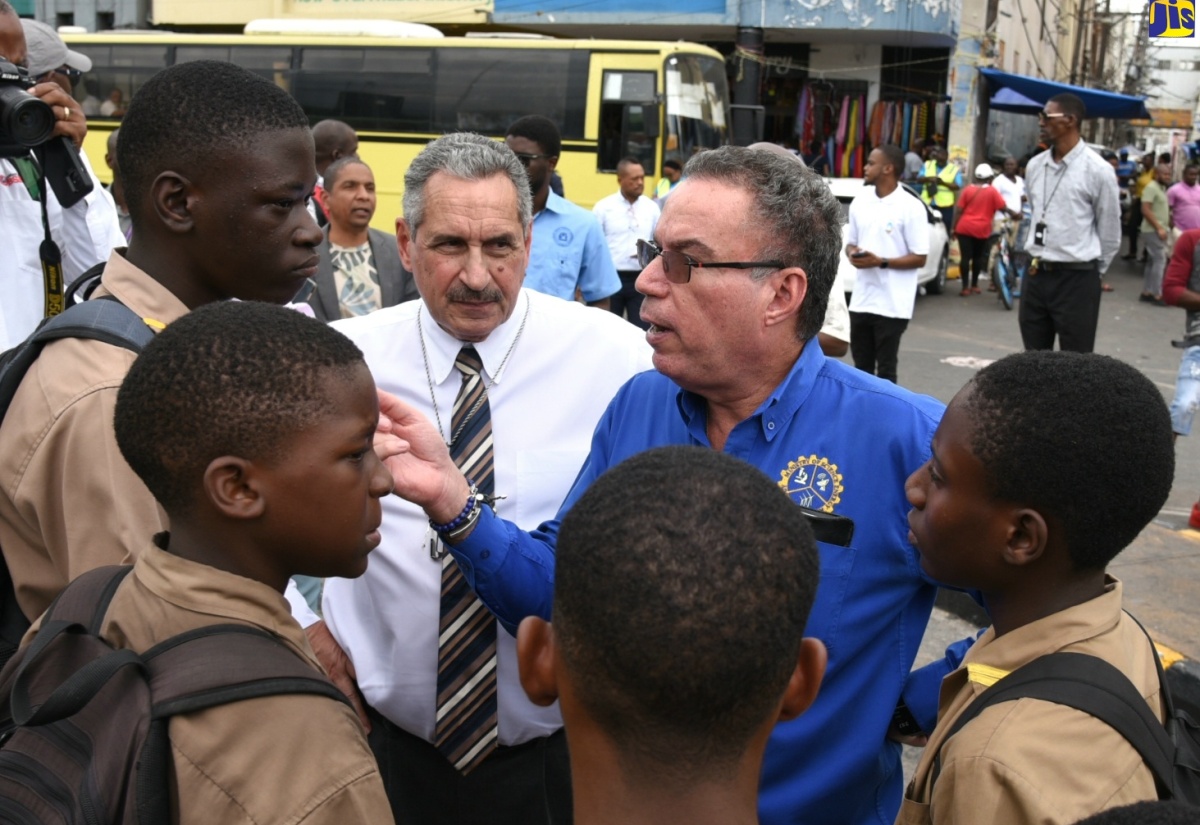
(1065, 266)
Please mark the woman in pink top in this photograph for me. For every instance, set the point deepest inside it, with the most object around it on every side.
(977, 204)
(1184, 200)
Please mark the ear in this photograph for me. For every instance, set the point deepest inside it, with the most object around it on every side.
(404, 240)
(231, 484)
(536, 659)
(173, 196)
(806, 679)
(1028, 535)
(552, 162)
(790, 291)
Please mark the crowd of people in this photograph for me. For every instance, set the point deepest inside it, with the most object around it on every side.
(560, 563)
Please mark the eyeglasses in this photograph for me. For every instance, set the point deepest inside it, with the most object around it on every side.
(678, 267)
(1044, 116)
(527, 158)
(72, 75)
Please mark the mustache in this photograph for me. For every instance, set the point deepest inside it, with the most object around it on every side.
(461, 293)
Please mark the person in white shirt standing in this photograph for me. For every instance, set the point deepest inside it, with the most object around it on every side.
(887, 239)
(627, 216)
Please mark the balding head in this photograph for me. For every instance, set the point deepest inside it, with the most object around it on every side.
(776, 149)
(333, 139)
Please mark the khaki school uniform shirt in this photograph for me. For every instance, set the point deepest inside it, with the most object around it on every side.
(68, 500)
(277, 759)
(1029, 761)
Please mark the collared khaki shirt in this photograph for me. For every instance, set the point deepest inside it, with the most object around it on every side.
(1029, 761)
(68, 500)
(277, 759)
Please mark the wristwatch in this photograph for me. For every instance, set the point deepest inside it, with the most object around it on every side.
(883, 264)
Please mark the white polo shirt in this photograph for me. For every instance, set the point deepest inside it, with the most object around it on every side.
(890, 227)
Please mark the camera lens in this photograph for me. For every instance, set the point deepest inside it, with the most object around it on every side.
(24, 119)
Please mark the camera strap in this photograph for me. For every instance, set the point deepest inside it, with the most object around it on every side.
(52, 271)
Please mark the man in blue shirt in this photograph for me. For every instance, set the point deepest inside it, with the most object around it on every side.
(736, 285)
(569, 252)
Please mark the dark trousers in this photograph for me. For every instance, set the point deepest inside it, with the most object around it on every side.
(1063, 302)
(528, 784)
(875, 343)
(628, 302)
(947, 217)
(973, 258)
(1133, 225)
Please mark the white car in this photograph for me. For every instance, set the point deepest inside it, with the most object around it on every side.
(932, 275)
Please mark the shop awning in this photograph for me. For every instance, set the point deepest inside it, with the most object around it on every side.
(1037, 91)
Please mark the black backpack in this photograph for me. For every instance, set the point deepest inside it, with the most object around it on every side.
(1170, 749)
(83, 726)
(105, 319)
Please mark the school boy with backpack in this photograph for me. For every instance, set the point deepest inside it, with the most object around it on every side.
(217, 164)
(1044, 467)
(678, 637)
(252, 425)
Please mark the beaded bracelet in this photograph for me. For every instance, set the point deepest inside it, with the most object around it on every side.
(473, 499)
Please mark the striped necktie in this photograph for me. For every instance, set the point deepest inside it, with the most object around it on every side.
(466, 728)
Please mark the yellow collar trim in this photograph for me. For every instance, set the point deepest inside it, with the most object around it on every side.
(985, 675)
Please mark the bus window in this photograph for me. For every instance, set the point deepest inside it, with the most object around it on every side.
(271, 62)
(696, 97)
(117, 72)
(628, 120)
(384, 90)
(485, 90)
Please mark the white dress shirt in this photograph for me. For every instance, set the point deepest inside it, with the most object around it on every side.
(1077, 199)
(86, 234)
(624, 224)
(566, 367)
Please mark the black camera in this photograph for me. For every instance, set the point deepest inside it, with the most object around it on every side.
(27, 125)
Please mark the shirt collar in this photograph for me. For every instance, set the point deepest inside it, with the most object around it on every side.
(778, 408)
(554, 203)
(140, 292)
(442, 348)
(224, 596)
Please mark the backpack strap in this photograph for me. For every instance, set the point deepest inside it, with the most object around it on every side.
(1092, 685)
(80, 289)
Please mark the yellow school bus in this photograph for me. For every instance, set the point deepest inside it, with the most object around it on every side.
(610, 98)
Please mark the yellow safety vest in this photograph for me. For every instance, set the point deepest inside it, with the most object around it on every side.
(945, 196)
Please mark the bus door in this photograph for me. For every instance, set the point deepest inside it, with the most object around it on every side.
(629, 116)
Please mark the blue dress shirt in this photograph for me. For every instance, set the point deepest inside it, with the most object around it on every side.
(569, 251)
(833, 764)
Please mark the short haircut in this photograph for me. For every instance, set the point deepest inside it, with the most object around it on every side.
(671, 163)
(330, 136)
(895, 158)
(1145, 813)
(188, 117)
(625, 162)
(680, 614)
(466, 156)
(796, 209)
(1084, 439)
(1070, 104)
(334, 170)
(541, 130)
(234, 378)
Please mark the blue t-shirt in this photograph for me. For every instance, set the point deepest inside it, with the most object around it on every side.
(569, 251)
(836, 439)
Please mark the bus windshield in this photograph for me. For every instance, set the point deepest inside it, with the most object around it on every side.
(697, 96)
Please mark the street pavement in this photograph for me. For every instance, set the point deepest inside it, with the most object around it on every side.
(950, 337)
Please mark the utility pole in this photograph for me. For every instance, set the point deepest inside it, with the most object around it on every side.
(1077, 51)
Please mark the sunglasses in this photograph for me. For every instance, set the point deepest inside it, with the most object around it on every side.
(1044, 116)
(72, 75)
(527, 158)
(678, 267)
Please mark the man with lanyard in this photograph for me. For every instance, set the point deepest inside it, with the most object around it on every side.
(736, 283)
(516, 381)
(627, 216)
(1075, 233)
(942, 181)
(85, 233)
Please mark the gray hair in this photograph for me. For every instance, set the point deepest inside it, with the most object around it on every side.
(467, 156)
(796, 209)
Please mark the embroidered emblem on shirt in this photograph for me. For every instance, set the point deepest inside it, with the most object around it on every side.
(812, 482)
(563, 236)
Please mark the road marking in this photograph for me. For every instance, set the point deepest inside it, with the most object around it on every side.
(968, 361)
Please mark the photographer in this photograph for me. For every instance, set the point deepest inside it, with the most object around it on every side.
(86, 232)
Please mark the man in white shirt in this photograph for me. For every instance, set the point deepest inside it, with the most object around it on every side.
(86, 233)
(544, 370)
(1010, 186)
(887, 239)
(627, 216)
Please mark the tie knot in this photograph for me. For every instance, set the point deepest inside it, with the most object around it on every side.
(468, 361)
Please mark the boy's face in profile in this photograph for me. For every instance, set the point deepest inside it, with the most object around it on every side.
(322, 511)
(956, 524)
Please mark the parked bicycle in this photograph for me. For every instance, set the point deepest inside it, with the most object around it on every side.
(1007, 264)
